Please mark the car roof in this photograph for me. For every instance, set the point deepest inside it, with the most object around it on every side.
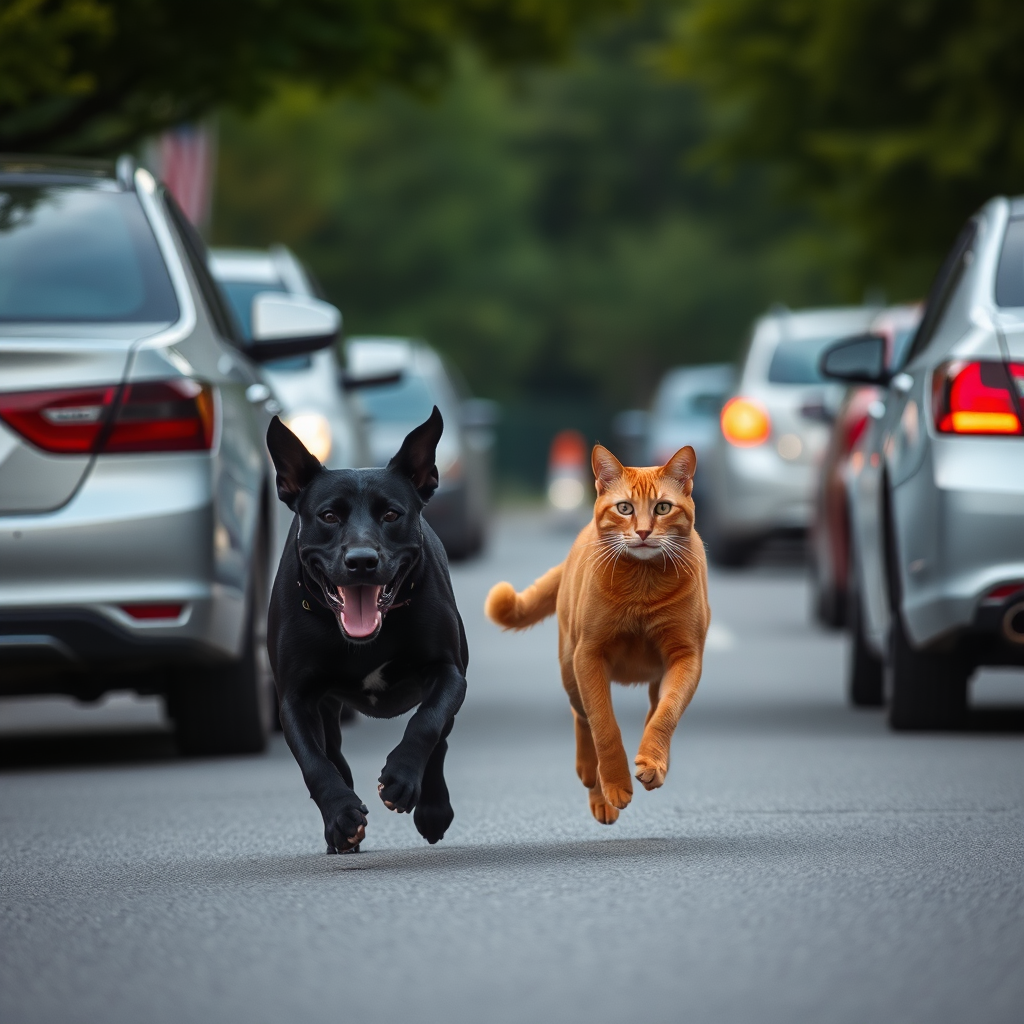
(277, 265)
(373, 354)
(57, 170)
(692, 378)
(813, 323)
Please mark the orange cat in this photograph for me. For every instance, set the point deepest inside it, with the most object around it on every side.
(632, 608)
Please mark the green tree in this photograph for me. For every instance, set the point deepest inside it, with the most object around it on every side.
(98, 75)
(895, 119)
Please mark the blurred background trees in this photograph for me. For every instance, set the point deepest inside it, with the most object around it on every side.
(565, 196)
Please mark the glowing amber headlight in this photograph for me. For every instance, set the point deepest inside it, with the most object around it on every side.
(313, 430)
(745, 423)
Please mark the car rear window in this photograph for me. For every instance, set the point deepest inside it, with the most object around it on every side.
(1010, 275)
(408, 401)
(795, 361)
(690, 404)
(72, 254)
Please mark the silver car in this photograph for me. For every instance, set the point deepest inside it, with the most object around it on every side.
(774, 430)
(685, 411)
(310, 387)
(137, 502)
(459, 511)
(937, 486)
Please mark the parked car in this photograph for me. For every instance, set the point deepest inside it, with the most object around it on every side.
(937, 501)
(830, 529)
(685, 411)
(460, 508)
(773, 431)
(310, 386)
(137, 500)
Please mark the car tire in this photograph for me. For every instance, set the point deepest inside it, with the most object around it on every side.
(865, 681)
(230, 708)
(926, 689)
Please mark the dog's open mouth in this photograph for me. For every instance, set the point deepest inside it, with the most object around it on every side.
(360, 608)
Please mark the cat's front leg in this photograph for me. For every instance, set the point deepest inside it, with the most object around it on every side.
(612, 763)
(673, 696)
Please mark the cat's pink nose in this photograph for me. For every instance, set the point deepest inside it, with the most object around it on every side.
(643, 534)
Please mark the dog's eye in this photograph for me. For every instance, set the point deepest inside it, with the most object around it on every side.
(328, 517)
(625, 508)
(663, 508)
(390, 516)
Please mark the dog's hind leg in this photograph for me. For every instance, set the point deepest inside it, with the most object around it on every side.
(434, 812)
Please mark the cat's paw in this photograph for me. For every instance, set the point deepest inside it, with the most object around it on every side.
(650, 771)
(617, 794)
(601, 809)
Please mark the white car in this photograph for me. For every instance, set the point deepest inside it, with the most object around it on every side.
(774, 431)
(310, 388)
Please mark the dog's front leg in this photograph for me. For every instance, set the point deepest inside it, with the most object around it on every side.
(343, 812)
(401, 780)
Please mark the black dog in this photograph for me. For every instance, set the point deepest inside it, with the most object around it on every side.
(363, 613)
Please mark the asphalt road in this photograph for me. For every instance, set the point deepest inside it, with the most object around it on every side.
(801, 863)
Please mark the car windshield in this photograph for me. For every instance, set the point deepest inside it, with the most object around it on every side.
(240, 295)
(73, 254)
(795, 360)
(408, 401)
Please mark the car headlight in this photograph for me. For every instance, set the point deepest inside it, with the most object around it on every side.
(313, 430)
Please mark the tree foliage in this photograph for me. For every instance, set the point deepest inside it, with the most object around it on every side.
(895, 118)
(544, 231)
(97, 75)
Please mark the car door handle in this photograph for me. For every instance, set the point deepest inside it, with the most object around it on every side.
(257, 393)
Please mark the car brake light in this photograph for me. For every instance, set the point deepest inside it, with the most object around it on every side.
(163, 416)
(745, 423)
(151, 416)
(974, 398)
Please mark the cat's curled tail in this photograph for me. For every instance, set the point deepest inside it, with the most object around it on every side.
(518, 611)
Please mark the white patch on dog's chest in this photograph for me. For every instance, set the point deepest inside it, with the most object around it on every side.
(375, 680)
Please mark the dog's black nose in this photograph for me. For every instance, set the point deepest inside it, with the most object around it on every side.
(364, 559)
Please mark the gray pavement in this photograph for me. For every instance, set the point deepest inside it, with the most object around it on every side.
(801, 863)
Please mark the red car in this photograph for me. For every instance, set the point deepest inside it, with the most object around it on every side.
(830, 528)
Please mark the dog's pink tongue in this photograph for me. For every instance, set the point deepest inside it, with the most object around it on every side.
(360, 616)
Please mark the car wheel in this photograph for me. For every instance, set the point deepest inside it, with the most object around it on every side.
(230, 708)
(927, 690)
(864, 681)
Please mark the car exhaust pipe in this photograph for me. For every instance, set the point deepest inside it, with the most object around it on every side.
(1013, 623)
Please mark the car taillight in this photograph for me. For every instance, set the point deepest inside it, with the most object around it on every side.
(745, 423)
(163, 416)
(975, 398)
(151, 416)
(153, 611)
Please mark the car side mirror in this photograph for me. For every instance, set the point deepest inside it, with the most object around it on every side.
(856, 360)
(289, 325)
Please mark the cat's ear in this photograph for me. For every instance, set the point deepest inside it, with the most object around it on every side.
(681, 467)
(607, 468)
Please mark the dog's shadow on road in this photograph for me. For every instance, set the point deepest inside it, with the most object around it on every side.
(86, 749)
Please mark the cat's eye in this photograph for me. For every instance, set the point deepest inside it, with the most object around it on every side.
(390, 516)
(328, 517)
(663, 508)
(625, 508)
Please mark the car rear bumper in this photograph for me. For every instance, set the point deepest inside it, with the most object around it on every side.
(968, 540)
(66, 577)
(756, 492)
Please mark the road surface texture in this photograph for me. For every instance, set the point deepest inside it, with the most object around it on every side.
(800, 864)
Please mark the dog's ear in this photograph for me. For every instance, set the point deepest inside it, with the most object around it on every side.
(295, 466)
(416, 457)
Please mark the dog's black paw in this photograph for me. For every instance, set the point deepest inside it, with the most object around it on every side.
(432, 820)
(399, 789)
(345, 827)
